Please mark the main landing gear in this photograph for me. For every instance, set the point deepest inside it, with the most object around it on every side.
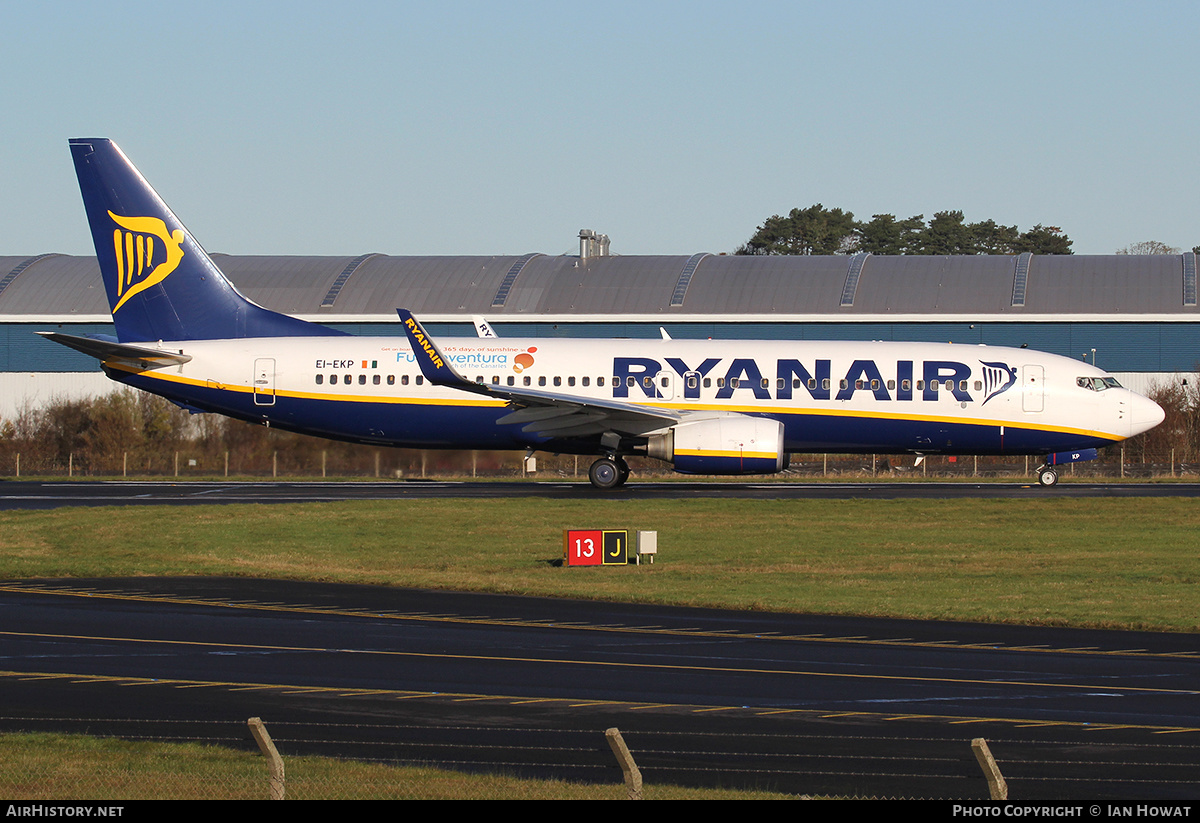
(609, 472)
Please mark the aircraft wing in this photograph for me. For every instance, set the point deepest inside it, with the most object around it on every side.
(550, 414)
(107, 351)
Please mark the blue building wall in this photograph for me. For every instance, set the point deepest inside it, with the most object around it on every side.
(1120, 347)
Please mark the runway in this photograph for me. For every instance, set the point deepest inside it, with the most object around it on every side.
(797, 703)
(20, 494)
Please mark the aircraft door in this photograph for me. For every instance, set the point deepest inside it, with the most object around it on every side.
(264, 381)
(1033, 392)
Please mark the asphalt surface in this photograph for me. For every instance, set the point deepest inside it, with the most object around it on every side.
(796, 703)
(55, 494)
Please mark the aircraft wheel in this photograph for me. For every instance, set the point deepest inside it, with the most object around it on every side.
(1047, 476)
(606, 473)
(623, 468)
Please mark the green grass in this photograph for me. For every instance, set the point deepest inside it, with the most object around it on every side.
(1105, 562)
(75, 767)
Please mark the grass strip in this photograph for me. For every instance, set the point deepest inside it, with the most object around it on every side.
(57, 767)
(1109, 563)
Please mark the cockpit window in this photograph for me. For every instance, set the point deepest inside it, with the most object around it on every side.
(1097, 383)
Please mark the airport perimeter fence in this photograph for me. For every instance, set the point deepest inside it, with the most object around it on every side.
(408, 464)
(184, 760)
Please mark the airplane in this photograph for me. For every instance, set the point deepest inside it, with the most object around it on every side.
(720, 407)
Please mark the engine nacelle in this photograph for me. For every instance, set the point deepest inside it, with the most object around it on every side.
(722, 445)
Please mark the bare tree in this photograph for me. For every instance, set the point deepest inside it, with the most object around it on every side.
(1149, 247)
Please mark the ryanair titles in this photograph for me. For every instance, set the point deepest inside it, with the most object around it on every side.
(419, 339)
(637, 377)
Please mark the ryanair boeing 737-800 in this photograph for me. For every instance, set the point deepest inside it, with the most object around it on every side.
(704, 406)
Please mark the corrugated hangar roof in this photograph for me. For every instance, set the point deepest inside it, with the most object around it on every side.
(371, 286)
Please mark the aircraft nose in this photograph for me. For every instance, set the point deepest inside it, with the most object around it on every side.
(1145, 414)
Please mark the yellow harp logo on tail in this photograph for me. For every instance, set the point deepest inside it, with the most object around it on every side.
(136, 242)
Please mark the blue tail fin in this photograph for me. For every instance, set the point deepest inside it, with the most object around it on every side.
(161, 284)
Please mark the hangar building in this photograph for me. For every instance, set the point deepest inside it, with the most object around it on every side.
(1135, 316)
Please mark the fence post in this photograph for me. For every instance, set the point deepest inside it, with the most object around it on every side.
(633, 777)
(997, 788)
(274, 761)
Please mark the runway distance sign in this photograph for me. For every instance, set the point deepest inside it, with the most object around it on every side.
(595, 547)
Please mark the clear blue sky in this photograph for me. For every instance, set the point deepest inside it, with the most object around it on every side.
(505, 127)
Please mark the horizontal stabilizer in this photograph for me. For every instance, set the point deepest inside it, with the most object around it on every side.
(141, 358)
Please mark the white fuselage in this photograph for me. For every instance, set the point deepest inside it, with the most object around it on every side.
(830, 396)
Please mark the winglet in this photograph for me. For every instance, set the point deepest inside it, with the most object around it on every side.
(482, 327)
(433, 363)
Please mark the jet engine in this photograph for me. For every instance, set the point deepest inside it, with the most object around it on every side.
(737, 444)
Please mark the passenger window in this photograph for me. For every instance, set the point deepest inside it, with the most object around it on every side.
(362, 380)
(585, 381)
(542, 380)
(527, 380)
(420, 380)
(557, 381)
(391, 379)
(404, 380)
(512, 381)
(333, 379)
(320, 379)
(891, 384)
(570, 381)
(375, 379)
(495, 380)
